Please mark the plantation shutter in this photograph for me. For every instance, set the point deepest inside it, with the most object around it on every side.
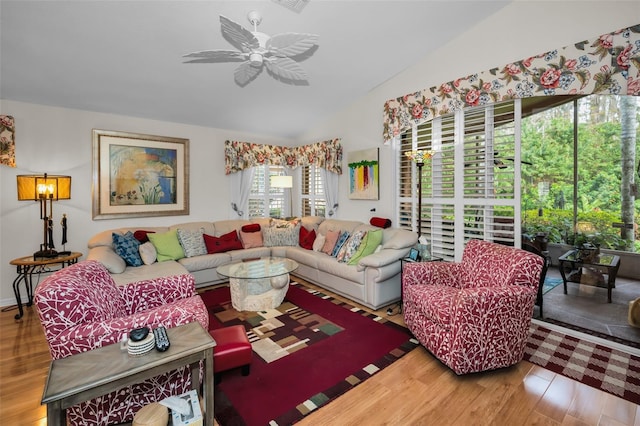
(313, 202)
(470, 188)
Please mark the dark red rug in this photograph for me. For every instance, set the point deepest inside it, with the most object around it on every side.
(307, 352)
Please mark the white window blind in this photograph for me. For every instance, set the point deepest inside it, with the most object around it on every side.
(265, 201)
(470, 188)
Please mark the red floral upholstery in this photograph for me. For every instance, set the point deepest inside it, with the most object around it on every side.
(473, 315)
(81, 308)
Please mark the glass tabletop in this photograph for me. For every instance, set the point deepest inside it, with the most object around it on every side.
(264, 267)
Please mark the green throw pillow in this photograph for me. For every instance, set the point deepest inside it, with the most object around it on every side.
(368, 245)
(167, 245)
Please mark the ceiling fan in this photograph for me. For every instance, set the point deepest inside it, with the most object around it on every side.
(257, 50)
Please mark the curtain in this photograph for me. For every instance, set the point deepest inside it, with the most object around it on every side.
(241, 155)
(240, 190)
(606, 65)
(330, 183)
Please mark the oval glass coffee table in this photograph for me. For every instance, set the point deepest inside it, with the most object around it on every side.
(258, 284)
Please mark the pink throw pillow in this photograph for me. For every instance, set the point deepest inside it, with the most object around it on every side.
(330, 241)
(251, 239)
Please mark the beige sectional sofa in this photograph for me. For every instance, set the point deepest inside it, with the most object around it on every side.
(374, 281)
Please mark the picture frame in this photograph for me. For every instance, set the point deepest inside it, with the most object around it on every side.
(413, 254)
(139, 175)
(364, 174)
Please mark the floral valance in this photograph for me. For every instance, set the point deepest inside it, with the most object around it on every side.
(609, 64)
(241, 155)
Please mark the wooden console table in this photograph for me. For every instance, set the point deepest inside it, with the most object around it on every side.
(87, 375)
(603, 264)
(28, 265)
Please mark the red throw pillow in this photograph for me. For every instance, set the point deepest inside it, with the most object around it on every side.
(380, 222)
(252, 227)
(223, 243)
(142, 235)
(307, 238)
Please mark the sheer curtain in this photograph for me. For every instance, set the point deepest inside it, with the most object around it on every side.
(330, 183)
(241, 183)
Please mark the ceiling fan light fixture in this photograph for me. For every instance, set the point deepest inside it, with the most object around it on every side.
(255, 59)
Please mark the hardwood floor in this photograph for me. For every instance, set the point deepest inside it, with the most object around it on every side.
(416, 390)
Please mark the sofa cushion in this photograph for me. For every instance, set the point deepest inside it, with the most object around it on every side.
(127, 247)
(251, 239)
(311, 222)
(351, 246)
(369, 244)
(225, 242)
(344, 236)
(141, 235)
(307, 238)
(192, 241)
(148, 253)
(167, 245)
(251, 227)
(318, 243)
(210, 261)
(286, 236)
(330, 240)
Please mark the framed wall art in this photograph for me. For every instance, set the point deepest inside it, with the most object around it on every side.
(363, 174)
(136, 175)
(7, 141)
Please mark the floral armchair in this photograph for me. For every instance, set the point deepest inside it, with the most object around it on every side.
(473, 315)
(81, 308)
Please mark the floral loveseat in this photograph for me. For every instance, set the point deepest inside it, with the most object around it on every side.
(81, 308)
(366, 269)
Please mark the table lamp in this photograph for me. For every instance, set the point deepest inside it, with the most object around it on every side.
(44, 188)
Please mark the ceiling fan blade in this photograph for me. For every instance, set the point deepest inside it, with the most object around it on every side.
(291, 44)
(285, 68)
(246, 73)
(237, 35)
(216, 56)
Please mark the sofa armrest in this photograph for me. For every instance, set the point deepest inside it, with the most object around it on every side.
(149, 294)
(88, 336)
(382, 258)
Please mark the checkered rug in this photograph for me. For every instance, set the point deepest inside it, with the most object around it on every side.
(596, 365)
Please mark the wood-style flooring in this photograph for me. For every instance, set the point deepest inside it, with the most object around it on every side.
(416, 390)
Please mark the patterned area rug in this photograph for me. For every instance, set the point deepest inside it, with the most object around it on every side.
(596, 365)
(307, 352)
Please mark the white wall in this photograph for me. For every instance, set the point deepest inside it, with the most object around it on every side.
(58, 141)
(520, 30)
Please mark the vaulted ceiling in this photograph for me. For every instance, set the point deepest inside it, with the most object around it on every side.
(125, 57)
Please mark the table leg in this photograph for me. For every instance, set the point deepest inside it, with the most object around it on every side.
(56, 416)
(208, 387)
(23, 275)
(564, 277)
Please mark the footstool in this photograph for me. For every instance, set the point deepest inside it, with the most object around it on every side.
(232, 350)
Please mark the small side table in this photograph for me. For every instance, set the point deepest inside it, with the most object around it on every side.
(603, 263)
(113, 368)
(27, 266)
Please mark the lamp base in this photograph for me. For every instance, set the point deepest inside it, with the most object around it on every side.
(49, 253)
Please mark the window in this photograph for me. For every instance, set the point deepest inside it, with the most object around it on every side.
(312, 198)
(468, 187)
(274, 202)
(265, 201)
